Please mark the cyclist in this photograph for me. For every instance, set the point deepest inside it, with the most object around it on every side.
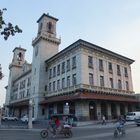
(120, 123)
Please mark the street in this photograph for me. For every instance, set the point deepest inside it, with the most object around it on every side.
(79, 133)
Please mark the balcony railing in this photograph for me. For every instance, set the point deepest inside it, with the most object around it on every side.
(91, 88)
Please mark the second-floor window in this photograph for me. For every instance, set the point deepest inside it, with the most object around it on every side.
(74, 82)
(63, 82)
(68, 65)
(125, 72)
(101, 68)
(50, 73)
(127, 85)
(111, 83)
(58, 84)
(50, 87)
(58, 69)
(63, 67)
(119, 84)
(68, 81)
(102, 81)
(90, 78)
(90, 61)
(110, 67)
(54, 71)
(118, 70)
(74, 62)
(53, 85)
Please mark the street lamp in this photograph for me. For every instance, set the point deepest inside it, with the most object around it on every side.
(0, 115)
(66, 108)
(30, 125)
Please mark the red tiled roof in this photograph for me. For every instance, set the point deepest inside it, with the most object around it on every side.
(92, 96)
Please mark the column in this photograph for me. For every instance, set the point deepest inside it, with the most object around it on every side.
(109, 114)
(30, 125)
(98, 107)
(118, 109)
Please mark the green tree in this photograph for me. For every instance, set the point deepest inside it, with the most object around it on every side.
(7, 29)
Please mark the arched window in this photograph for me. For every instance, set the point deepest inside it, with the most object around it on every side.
(20, 56)
(50, 27)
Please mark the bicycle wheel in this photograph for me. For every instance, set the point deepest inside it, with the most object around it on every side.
(115, 133)
(44, 133)
(68, 133)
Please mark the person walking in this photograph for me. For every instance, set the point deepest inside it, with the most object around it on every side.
(103, 120)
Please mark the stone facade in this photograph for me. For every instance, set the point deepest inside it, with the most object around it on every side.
(83, 79)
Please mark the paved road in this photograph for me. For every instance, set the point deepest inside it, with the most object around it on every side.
(80, 133)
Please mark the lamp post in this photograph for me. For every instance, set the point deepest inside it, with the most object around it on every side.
(66, 108)
(0, 115)
(30, 125)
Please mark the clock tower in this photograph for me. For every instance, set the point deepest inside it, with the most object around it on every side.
(45, 45)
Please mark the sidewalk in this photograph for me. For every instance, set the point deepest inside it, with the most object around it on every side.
(86, 124)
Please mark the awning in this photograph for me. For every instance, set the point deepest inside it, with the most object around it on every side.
(19, 103)
(90, 96)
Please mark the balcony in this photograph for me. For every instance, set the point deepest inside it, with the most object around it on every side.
(90, 88)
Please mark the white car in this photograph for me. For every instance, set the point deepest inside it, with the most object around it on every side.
(8, 118)
(25, 119)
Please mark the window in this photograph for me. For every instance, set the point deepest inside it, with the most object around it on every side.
(74, 82)
(74, 62)
(54, 71)
(58, 69)
(68, 81)
(68, 65)
(102, 81)
(50, 73)
(119, 84)
(45, 87)
(101, 65)
(127, 85)
(118, 70)
(40, 27)
(125, 72)
(36, 50)
(63, 82)
(53, 85)
(63, 67)
(58, 84)
(111, 83)
(50, 87)
(43, 111)
(50, 27)
(90, 78)
(28, 81)
(90, 61)
(110, 67)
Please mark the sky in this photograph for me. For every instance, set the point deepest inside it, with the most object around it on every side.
(111, 24)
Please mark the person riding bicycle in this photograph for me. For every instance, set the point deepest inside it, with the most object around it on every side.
(56, 124)
(120, 123)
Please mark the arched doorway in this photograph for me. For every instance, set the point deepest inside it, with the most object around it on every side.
(104, 109)
(122, 109)
(92, 111)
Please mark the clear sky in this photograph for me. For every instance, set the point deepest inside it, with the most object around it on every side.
(112, 24)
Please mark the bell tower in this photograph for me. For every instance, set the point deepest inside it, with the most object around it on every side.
(45, 45)
(17, 61)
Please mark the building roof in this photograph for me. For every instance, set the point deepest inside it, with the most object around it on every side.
(47, 15)
(85, 44)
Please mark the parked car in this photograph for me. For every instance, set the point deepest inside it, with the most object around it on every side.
(137, 121)
(66, 118)
(26, 119)
(9, 118)
(131, 116)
